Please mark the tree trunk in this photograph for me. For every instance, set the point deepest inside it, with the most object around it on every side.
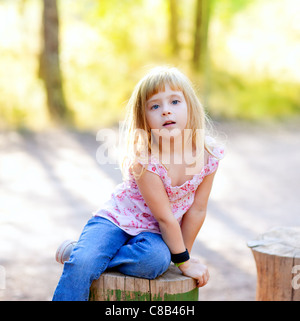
(173, 27)
(197, 36)
(200, 52)
(49, 62)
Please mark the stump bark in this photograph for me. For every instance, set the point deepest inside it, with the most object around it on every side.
(277, 257)
(171, 286)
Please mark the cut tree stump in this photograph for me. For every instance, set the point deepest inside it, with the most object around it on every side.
(171, 286)
(277, 257)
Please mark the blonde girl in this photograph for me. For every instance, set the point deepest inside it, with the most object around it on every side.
(154, 216)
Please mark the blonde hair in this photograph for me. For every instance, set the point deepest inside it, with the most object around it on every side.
(136, 145)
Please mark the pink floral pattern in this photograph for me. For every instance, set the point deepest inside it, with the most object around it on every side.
(128, 210)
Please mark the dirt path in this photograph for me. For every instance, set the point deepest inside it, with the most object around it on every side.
(50, 183)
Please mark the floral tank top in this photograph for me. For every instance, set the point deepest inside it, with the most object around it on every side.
(127, 209)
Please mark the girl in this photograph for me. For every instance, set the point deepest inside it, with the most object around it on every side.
(154, 216)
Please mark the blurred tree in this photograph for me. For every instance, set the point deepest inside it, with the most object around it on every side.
(49, 70)
(173, 27)
(200, 48)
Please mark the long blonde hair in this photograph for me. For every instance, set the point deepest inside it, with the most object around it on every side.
(135, 144)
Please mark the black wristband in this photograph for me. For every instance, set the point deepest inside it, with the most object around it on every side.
(180, 257)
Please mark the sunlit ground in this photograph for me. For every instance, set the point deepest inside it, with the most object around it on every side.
(51, 183)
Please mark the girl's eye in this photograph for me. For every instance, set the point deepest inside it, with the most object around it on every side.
(175, 102)
(154, 106)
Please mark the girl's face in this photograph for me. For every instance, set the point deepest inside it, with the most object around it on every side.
(167, 110)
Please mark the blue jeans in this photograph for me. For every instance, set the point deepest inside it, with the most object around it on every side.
(103, 245)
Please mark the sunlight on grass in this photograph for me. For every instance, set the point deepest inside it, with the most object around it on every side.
(268, 49)
(256, 62)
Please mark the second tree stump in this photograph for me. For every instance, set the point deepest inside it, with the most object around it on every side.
(277, 257)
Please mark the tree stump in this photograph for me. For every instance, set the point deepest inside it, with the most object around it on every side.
(171, 286)
(277, 257)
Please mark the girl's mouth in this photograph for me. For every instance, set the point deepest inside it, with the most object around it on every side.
(168, 123)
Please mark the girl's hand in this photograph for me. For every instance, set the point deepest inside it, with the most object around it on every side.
(196, 270)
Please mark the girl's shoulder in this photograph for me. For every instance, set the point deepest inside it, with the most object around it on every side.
(214, 148)
(138, 165)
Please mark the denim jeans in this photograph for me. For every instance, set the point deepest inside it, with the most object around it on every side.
(103, 245)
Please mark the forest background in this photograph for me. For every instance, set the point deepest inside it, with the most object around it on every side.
(77, 62)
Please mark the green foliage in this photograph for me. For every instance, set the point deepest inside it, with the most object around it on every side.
(237, 97)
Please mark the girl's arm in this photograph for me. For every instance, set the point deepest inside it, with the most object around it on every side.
(194, 217)
(191, 224)
(153, 191)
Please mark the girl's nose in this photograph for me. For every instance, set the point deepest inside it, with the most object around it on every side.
(166, 110)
